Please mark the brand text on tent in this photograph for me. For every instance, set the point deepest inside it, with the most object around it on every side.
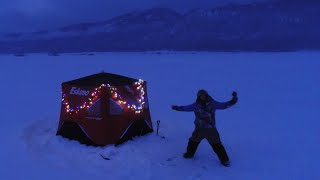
(78, 91)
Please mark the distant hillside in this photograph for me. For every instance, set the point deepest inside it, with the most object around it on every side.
(273, 26)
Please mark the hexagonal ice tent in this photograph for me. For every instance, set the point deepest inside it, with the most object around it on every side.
(104, 109)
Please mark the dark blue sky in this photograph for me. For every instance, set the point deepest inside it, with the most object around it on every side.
(31, 15)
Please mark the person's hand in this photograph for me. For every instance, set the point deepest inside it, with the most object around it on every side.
(234, 97)
(234, 94)
(175, 107)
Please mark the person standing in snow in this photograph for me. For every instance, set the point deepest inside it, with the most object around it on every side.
(205, 124)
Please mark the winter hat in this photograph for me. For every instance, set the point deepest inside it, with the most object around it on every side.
(202, 92)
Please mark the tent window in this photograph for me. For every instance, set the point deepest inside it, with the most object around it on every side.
(115, 108)
(95, 108)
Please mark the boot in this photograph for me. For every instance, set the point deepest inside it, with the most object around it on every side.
(221, 153)
(191, 149)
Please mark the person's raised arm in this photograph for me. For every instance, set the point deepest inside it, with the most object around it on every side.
(188, 108)
(225, 105)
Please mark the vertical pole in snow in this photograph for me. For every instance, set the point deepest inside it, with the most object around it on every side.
(158, 124)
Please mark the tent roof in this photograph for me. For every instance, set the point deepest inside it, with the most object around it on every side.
(102, 78)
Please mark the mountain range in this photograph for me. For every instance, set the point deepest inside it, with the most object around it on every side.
(265, 26)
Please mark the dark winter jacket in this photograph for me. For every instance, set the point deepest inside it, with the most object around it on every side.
(205, 113)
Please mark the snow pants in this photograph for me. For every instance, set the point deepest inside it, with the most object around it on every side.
(212, 136)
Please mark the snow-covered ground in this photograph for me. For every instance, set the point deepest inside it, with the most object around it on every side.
(272, 133)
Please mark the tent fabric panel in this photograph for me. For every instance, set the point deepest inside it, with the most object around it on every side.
(95, 108)
(137, 128)
(73, 131)
(102, 78)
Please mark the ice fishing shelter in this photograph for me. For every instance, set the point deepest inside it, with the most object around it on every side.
(104, 109)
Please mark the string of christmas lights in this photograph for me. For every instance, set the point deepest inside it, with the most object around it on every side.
(137, 108)
(114, 94)
(94, 96)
